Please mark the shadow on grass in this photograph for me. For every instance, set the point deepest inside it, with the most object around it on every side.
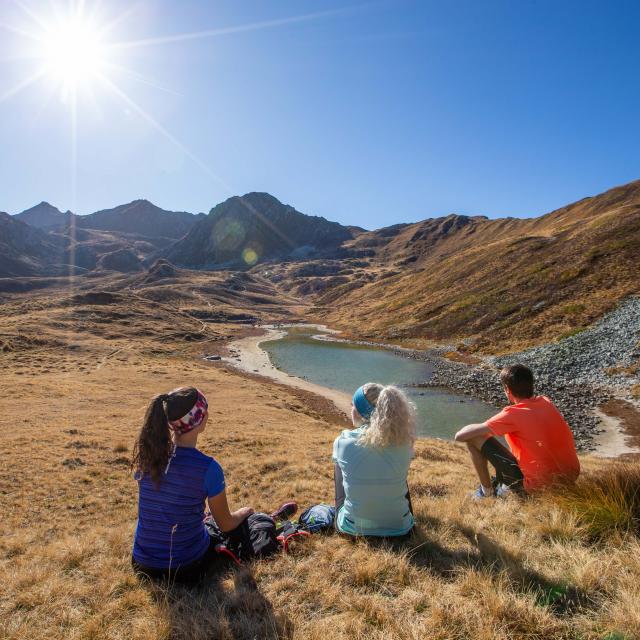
(487, 555)
(226, 605)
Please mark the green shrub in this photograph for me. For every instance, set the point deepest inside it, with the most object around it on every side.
(575, 272)
(572, 309)
(607, 248)
(507, 308)
(572, 332)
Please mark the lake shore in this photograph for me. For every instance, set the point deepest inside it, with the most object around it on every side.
(602, 434)
(246, 355)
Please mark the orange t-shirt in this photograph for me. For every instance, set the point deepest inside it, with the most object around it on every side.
(540, 439)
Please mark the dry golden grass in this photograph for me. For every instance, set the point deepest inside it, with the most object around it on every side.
(492, 570)
(68, 419)
(605, 502)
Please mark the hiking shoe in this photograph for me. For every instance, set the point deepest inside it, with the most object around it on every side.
(479, 494)
(285, 511)
(502, 491)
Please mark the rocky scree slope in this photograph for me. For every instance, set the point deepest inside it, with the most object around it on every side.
(579, 373)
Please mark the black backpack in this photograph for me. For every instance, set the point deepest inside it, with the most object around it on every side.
(254, 538)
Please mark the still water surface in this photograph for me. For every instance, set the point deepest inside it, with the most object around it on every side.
(345, 367)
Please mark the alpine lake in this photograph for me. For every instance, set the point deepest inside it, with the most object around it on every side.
(345, 366)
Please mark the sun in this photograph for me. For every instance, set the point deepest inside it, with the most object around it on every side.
(73, 52)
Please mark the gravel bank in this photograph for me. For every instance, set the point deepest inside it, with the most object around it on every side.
(579, 373)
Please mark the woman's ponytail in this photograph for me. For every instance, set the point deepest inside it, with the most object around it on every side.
(393, 421)
(152, 450)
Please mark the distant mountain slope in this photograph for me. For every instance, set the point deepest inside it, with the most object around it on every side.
(496, 284)
(255, 227)
(504, 283)
(25, 250)
(45, 216)
(28, 251)
(140, 217)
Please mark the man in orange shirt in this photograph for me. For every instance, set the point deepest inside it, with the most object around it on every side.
(542, 453)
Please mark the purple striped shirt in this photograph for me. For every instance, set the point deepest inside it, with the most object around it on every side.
(170, 529)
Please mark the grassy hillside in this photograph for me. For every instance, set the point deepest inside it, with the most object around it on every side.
(504, 283)
(498, 285)
(71, 406)
(162, 304)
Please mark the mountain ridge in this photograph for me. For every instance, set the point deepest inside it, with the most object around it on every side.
(26, 250)
(140, 216)
(490, 283)
(45, 216)
(495, 283)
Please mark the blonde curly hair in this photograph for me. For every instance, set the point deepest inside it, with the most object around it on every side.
(393, 421)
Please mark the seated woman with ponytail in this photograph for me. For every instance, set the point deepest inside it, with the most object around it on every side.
(175, 479)
(372, 463)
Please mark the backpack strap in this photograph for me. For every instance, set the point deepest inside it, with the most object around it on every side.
(222, 549)
(285, 538)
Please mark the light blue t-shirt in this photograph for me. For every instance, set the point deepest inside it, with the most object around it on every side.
(375, 486)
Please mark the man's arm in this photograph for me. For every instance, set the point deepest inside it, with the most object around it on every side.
(472, 431)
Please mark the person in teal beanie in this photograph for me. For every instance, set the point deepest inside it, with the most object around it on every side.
(371, 463)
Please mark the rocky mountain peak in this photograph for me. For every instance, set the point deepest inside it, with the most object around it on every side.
(252, 228)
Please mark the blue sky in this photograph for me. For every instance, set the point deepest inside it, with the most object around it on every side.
(369, 113)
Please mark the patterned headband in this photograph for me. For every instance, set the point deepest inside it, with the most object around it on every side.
(193, 419)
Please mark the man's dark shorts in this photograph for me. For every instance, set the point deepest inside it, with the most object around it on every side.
(507, 470)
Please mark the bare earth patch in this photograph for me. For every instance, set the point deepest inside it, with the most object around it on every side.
(629, 416)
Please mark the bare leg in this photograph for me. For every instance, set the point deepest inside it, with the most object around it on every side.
(479, 461)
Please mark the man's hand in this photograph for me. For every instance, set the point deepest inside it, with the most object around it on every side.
(472, 431)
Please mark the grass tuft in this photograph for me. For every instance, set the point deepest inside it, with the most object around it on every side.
(607, 502)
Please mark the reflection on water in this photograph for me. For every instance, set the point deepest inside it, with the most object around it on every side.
(345, 367)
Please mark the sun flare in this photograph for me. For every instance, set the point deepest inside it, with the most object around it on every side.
(77, 55)
(74, 52)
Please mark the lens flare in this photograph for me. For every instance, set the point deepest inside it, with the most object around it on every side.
(250, 256)
(228, 234)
